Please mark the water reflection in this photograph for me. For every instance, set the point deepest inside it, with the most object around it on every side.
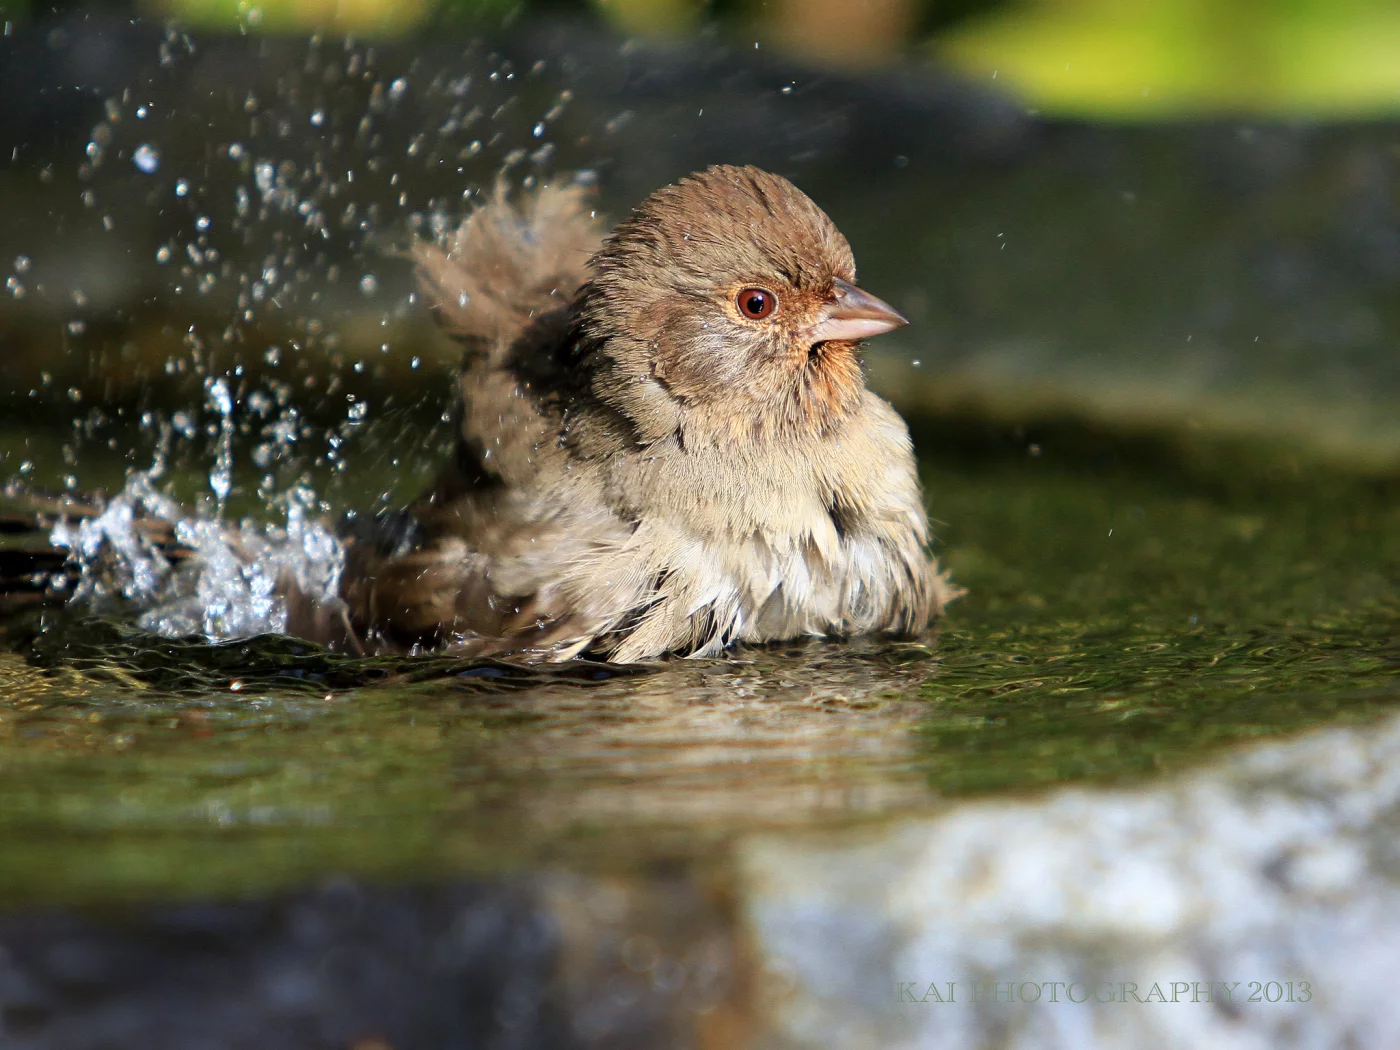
(772, 737)
(430, 765)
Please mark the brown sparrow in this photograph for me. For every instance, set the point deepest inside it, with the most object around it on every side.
(665, 441)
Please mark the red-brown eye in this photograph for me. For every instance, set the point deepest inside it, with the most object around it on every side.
(756, 303)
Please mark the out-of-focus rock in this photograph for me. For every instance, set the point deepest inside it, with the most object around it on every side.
(1275, 872)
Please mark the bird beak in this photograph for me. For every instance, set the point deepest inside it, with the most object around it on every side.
(853, 314)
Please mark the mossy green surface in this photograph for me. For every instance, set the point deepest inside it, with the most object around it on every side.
(1132, 616)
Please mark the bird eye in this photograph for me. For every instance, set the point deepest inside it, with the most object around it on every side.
(756, 303)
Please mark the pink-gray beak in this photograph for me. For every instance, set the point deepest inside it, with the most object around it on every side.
(854, 314)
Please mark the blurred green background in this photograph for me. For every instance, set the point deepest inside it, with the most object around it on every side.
(1091, 58)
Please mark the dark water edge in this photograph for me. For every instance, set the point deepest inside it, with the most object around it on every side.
(542, 962)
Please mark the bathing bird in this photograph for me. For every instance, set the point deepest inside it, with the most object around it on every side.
(665, 443)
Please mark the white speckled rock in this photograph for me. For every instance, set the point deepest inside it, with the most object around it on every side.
(1280, 865)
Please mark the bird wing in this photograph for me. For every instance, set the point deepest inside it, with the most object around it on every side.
(508, 263)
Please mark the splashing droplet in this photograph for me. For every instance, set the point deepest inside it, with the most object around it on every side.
(221, 477)
(146, 158)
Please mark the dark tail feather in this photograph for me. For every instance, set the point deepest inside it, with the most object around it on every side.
(31, 576)
(34, 571)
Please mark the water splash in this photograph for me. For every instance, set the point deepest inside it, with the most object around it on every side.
(202, 575)
(266, 254)
(119, 550)
(236, 581)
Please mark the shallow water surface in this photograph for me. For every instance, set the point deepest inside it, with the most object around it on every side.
(1123, 617)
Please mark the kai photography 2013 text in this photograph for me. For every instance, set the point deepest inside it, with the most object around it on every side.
(1103, 992)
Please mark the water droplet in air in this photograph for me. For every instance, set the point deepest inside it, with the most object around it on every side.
(146, 159)
(221, 401)
(163, 254)
(369, 284)
(219, 398)
(22, 263)
(182, 188)
(318, 118)
(397, 88)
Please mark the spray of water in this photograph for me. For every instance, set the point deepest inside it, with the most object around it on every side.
(194, 574)
(271, 200)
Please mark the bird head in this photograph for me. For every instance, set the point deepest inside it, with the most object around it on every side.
(728, 302)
